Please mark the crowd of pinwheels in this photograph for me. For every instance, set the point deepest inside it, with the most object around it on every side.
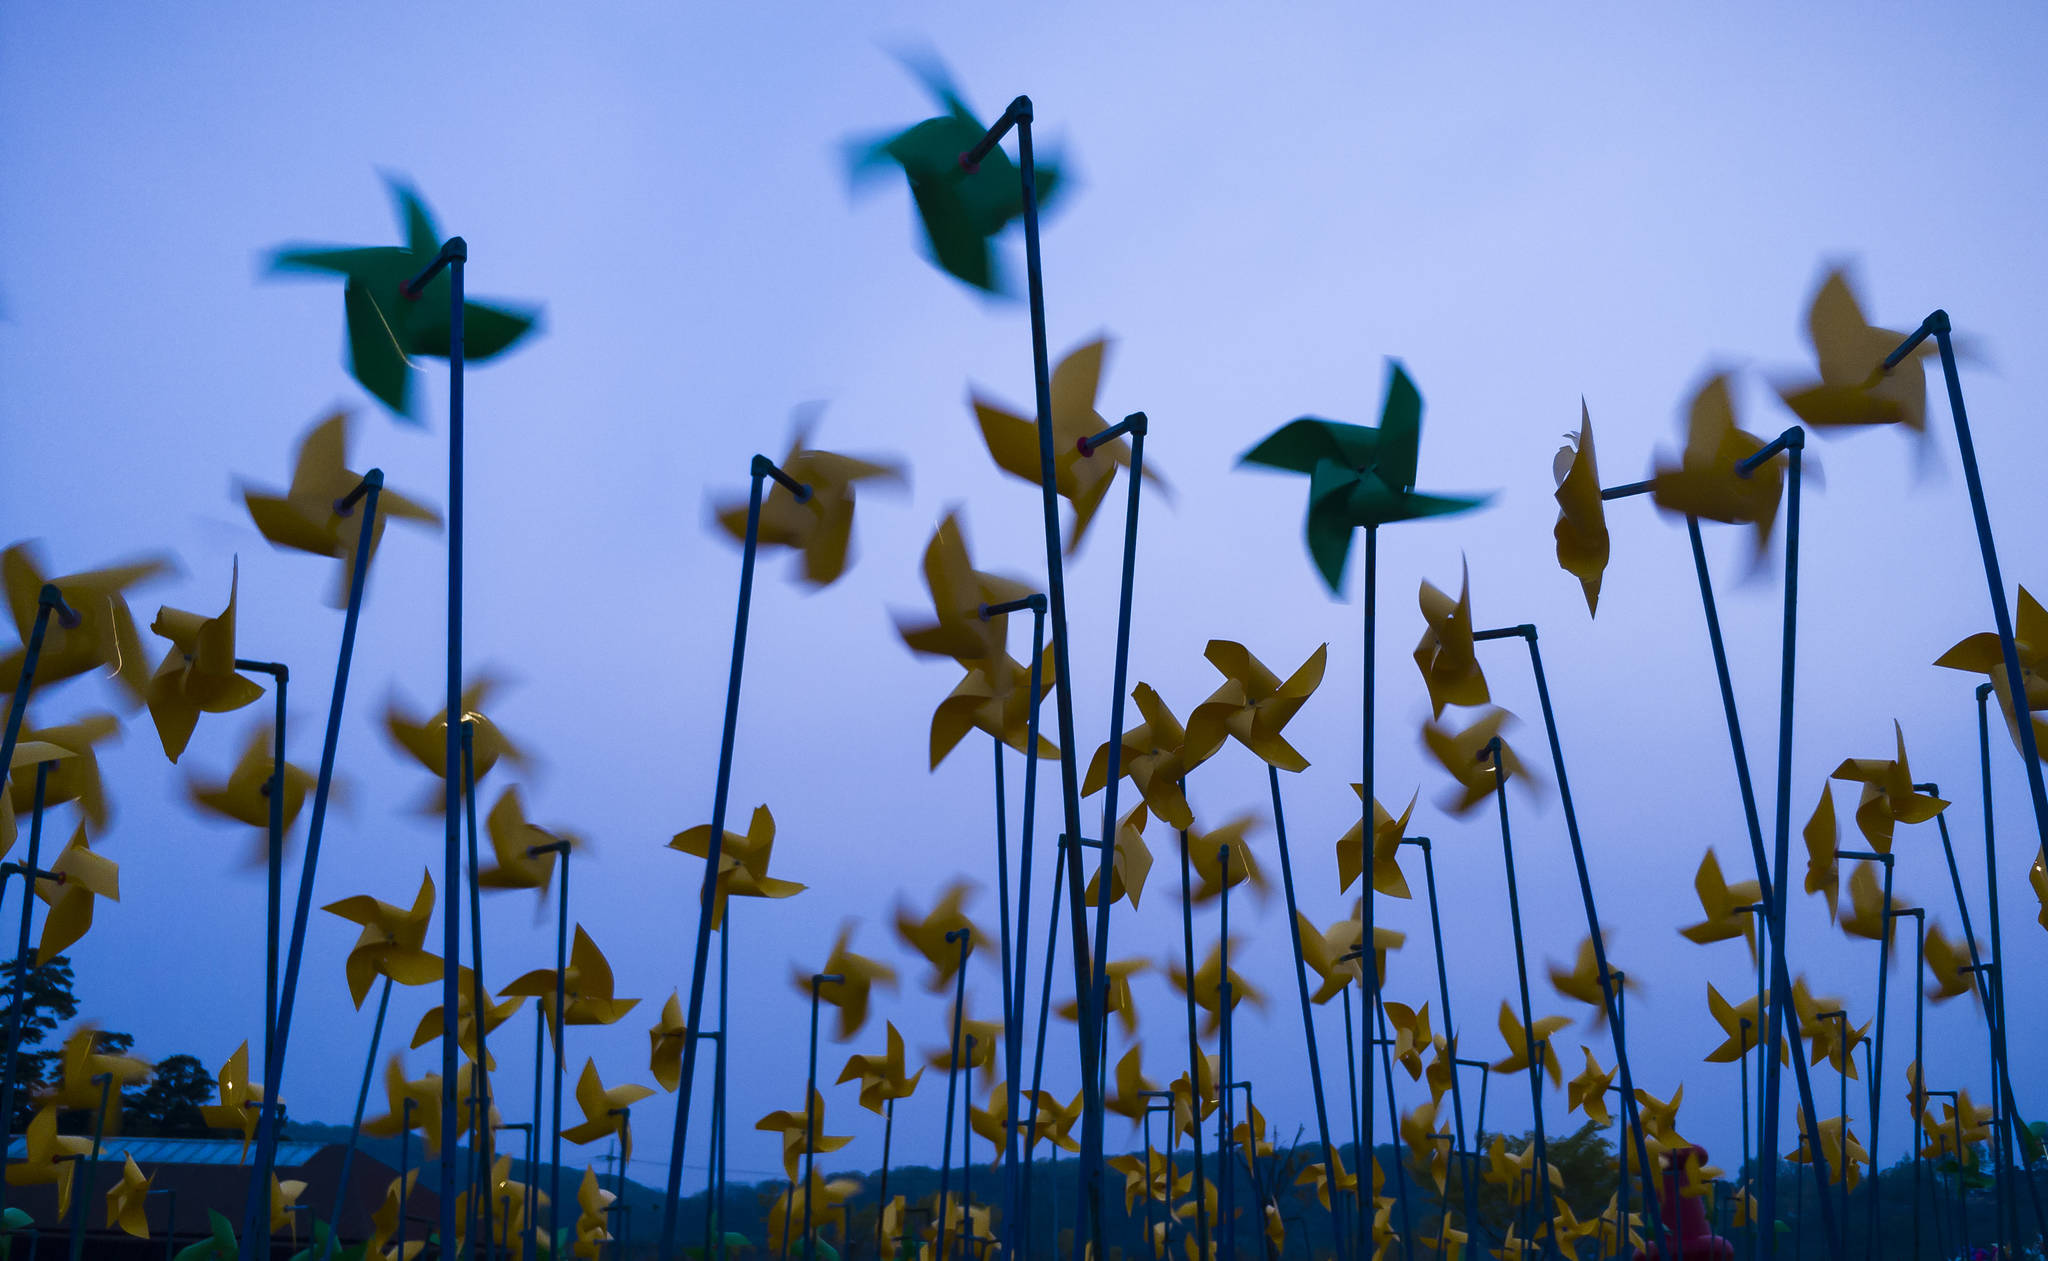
(967, 191)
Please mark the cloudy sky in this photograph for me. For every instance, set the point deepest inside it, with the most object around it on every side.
(1527, 208)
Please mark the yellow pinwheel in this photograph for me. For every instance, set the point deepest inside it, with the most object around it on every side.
(433, 1025)
(820, 527)
(1854, 387)
(1983, 654)
(1581, 982)
(1056, 1122)
(1704, 482)
(392, 942)
(1581, 531)
(586, 984)
(425, 739)
(1464, 754)
(1428, 1152)
(198, 673)
(927, 936)
(241, 1100)
(1726, 906)
(1318, 1175)
(1865, 915)
(104, 636)
(74, 772)
(1533, 1043)
(384, 1222)
(1253, 706)
(1080, 478)
(1823, 836)
(79, 1063)
(1412, 1036)
(1888, 795)
(958, 592)
(514, 841)
(1207, 986)
(244, 796)
(49, 1158)
(306, 518)
(792, 1123)
(605, 1111)
(993, 696)
(128, 1199)
(1836, 1040)
(284, 1197)
(1133, 1089)
(1324, 954)
(592, 1202)
(1949, 962)
(1838, 1145)
(1587, 1093)
(881, 1077)
(1445, 654)
(1130, 862)
(1742, 1022)
(27, 754)
(742, 862)
(666, 1039)
(508, 1208)
(1223, 860)
(1117, 998)
(1387, 835)
(849, 996)
(86, 877)
(1153, 757)
(822, 1199)
(1150, 1175)
(975, 1047)
(424, 1095)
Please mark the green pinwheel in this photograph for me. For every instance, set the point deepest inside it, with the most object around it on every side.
(1358, 476)
(961, 207)
(386, 328)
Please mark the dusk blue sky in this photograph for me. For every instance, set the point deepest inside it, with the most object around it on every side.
(1527, 206)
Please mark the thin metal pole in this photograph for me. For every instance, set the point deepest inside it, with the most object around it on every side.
(761, 468)
(1014, 1033)
(255, 1235)
(404, 1166)
(47, 600)
(560, 1014)
(810, 1113)
(355, 1128)
(1012, 1042)
(1394, 1119)
(1136, 425)
(1090, 1030)
(1368, 969)
(1919, 915)
(1531, 1049)
(1225, 1204)
(16, 1007)
(1308, 1022)
(480, 1151)
(882, 1200)
(1443, 986)
(540, 1025)
(1187, 929)
(1631, 1119)
(954, 1051)
(1052, 941)
(451, 782)
(274, 850)
(92, 1169)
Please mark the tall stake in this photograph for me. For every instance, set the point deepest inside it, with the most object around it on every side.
(1631, 1119)
(255, 1234)
(762, 468)
(1308, 1020)
(1467, 1161)
(1368, 970)
(355, 1128)
(48, 600)
(1019, 115)
(954, 1053)
(1532, 1050)
(811, 1114)
(92, 1168)
(17, 1007)
(480, 1154)
(1187, 928)
(1919, 915)
(555, 1023)
(2011, 1108)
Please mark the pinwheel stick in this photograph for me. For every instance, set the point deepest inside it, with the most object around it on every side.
(255, 1236)
(1919, 915)
(47, 601)
(955, 1052)
(355, 1128)
(1187, 929)
(1224, 1204)
(1443, 988)
(30, 873)
(1530, 1048)
(1962, 1204)
(1369, 974)
(810, 1111)
(1386, 1044)
(1884, 960)
(274, 853)
(1631, 1121)
(105, 1081)
(1135, 425)
(1308, 1020)
(707, 900)
(480, 1154)
(1019, 116)
(1936, 325)
(1013, 964)
(561, 848)
(1781, 982)
(170, 1195)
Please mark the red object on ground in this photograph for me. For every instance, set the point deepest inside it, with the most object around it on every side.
(1686, 1214)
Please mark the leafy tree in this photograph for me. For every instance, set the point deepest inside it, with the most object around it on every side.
(44, 991)
(168, 1104)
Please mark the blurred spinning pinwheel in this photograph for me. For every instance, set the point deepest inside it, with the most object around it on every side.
(1704, 482)
(586, 986)
(820, 527)
(85, 878)
(977, 703)
(104, 637)
(1854, 388)
(387, 327)
(927, 935)
(1464, 754)
(858, 977)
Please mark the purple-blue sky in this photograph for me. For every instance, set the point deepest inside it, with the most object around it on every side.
(1526, 206)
